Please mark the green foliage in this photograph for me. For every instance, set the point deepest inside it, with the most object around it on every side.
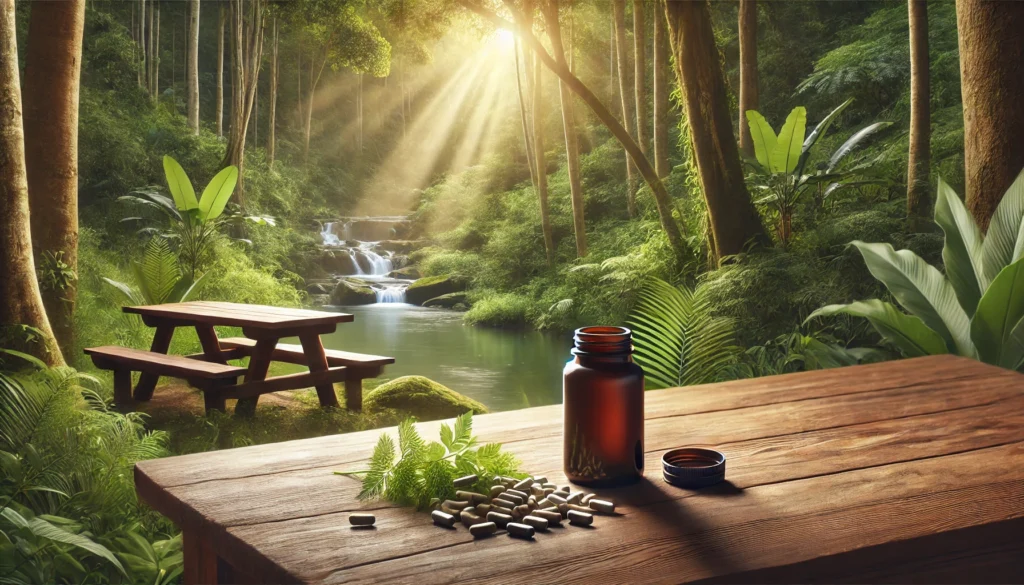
(420, 473)
(975, 310)
(158, 277)
(501, 310)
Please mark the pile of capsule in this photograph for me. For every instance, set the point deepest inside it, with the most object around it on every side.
(520, 507)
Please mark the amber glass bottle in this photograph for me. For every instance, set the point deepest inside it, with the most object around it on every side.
(603, 400)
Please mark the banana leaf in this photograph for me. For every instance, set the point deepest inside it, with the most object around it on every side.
(1004, 242)
(962, 251)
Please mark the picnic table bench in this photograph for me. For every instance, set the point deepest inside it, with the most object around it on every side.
(901, 471)
(263, 327)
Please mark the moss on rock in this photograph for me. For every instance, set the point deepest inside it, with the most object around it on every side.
(427, 288)
(422, 397)
(348, 292)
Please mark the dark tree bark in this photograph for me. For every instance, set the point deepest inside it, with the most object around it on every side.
(640, 75)
(748, 71)
(272, 113)
(150, 52)
(220, 69)
(20, 300)
(625, 95)
(918, 161)
(247, 19)
(735, 222)
(992, 83)
(661, 92)
(156, 56)
(572, 152)
(52, 73)
(193, 66)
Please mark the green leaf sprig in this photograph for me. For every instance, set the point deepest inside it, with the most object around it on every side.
(419, 474)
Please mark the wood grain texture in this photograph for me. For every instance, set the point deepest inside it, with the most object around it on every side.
(291, 353)
(870, 472)
(238, 315)
(110, 357)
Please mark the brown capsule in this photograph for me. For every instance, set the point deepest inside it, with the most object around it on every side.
(362, 519)
(549, 509)
(466, 481)
(483, 529)
(580, 518)
(496, 490)
(518, 500)
(537, 491)
(553, 518)
(516, 493)
(483, 509)
(602, 506)
(501, 509)
(580, 508)
(469, 518)
(520, 511)
(550, 486)
(586, 499)
(563, 509)
(549, 491)
(473, 497)
(556, 499)
(455, 504)
(519, 530)
(523, 484)
(500, 519)
(443, 519)
(542, 479)
(545, 503)
(537, 522)
(575, 498)
(507, 503)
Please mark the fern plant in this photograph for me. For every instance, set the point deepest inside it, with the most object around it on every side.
(678, 340)
(158, 277)
(419, 473)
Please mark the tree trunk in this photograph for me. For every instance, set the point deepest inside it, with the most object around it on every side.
(538, 151)
(918, 184)
(734, 220)
(52, 73)
(220, 69)
(572, 153)
(156, 56)
(140, 31)
(272, 114)
(527, 140)
(315, 71)
(247, 19)
(20, 301)
(640, 75)
(359, 113)
(661, 92)
(625, 94)
(193, 66)
(991, 51)
(150, 60)
(748, 71)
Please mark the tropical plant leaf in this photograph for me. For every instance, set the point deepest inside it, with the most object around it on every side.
(852, 143)
(1012, 355)
(922, 290)
(784, 157)
(158, 272)
(1004, 241)
(383, 457)
(184, 289)
(179, 185)
(999, 311)
(43, 529)
(962, 251)
(763, 137)
(818, 132)
(131, 295)
(907, 332)
(217, 192)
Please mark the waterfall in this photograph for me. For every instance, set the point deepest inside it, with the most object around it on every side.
(391, 293)
(327, 235)
(360, 239)
(379, 265)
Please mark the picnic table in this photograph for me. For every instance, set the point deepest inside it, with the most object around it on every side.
(263, 327)
(902, 471)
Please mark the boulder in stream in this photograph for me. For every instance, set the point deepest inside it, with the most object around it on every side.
(455, 300)
(401, 246)
(422, 397)
(409, 273)
(348, 292)
(338, 262)
(430, 287)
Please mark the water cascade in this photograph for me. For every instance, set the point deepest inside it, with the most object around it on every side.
(370, 262)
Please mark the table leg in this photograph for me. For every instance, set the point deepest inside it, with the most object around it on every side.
(316, 359)
(211, 345)
(354, 392)
(259, 363)
(161, 343)
(123, 390)
(199, 559)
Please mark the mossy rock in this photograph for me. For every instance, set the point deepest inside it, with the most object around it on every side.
(422, 397)
(348, 292)
(456, 300)
(409, 272)
(401, 246)
(430, 287)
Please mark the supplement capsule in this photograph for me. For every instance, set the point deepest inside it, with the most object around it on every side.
(537, 522)
(465, 481)
(586, 499)
(602, 506)
(469, 518)
(443, 519)
(553, 518)
(455, 504)
(516, 493)
(549, 491)
(583, 509)
(551, 486)
(575, 498)
(532, 502)
(483, 509)
(540, 479)
(362, 519)
(556, 499)
(523, 484)
(506, 502)
(548, 509)
(500, 519)
(520, 511)
(537, 491)
(580, 518)
(545, 503)
(471, 496)
(519, 530)
(483, 529)
(501, 509)
(563, 509)
(496, 490)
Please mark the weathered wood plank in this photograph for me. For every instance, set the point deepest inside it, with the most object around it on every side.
(284, 382)
(111, 357)
(929, 373)
(238, 315)
(291, 353)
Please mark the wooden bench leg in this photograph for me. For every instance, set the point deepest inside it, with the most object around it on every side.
(259, 363)
(200, 562)
(354, 393)
(313, 348)
(212, 397)
(161, 343)
(123, 390)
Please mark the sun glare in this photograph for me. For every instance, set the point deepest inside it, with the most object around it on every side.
(505, 38)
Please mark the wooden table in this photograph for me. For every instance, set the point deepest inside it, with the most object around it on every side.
(902, 471)
(267, 325)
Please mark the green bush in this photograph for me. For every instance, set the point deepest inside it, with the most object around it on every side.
(502, 310)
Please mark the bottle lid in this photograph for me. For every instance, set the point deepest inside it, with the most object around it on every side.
(693, 467)
(602, 340)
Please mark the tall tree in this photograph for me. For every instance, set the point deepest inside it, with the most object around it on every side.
(625, 94)
(150, 51)
(538, 151)
(918, 200)
(247, 19)
(52, 73)
(991, 49)
(661, 92)
(272, 108)
(572, 152)
(640, 75)
(524, 116)
(748, 71)
(221, 12)
(734, 220)
(193, 66)
(156, 55)
(20, 301)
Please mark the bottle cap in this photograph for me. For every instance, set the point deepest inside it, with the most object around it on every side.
(693, 467)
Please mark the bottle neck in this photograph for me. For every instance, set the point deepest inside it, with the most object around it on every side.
(603, 346)
(607, 360)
